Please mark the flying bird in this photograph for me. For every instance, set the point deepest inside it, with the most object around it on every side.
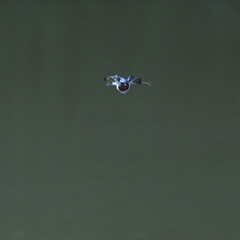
(123, 84)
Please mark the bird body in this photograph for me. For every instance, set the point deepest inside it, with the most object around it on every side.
(123, 84)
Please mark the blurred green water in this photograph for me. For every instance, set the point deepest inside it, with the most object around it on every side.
(80, 161)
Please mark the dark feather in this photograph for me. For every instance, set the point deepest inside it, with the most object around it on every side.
(137, 81)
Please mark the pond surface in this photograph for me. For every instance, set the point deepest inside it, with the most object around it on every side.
(80, 161)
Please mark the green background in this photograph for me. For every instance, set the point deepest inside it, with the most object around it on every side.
(80, 161)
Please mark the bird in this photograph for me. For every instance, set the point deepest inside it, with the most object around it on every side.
(123, 84)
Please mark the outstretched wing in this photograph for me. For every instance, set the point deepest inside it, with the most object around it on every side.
(109, 80)
(133, 79)
(139, 81)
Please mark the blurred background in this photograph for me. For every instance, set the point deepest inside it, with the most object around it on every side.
(80, 161)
